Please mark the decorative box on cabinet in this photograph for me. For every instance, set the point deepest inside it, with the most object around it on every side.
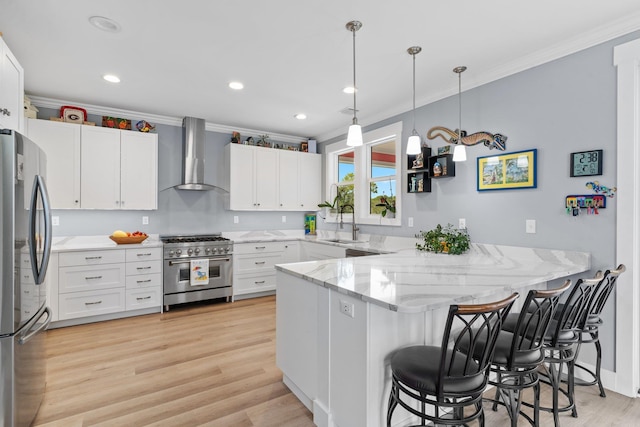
(418, 178)
(11, 90)
(442, 166)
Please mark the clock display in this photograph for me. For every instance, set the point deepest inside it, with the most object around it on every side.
(586, 163)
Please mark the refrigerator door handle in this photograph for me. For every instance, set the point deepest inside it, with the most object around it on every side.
(24, 339)
(39, 271)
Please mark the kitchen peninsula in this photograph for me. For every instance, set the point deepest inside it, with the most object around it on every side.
(338, 320)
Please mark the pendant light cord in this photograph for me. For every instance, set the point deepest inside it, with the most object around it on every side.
(460, 107)
(355, 119)
(414, 93)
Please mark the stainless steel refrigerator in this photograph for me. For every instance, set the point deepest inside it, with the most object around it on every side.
(25, 245)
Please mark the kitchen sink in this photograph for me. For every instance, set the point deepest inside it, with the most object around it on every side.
(343, 241)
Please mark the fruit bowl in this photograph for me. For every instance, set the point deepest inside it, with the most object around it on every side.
(128, 240)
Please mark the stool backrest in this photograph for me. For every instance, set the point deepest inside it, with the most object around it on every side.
(604, 289)
(481, 324)
(536, 314)
(574, 311)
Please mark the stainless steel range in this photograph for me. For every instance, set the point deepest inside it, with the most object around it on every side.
(184, 255)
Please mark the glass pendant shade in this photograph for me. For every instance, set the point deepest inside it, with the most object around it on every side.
(413, 144)
(354, 137)
(460, 153)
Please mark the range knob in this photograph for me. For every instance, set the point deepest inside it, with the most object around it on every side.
(189, 251)
(207, 250)
(226, 249)
(214, 250)
(178, 252)
(171, 252)
(197, 251)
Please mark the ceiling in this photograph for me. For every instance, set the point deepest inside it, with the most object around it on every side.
(176, 58)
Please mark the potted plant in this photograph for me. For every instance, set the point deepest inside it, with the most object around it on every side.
(388, 203)
(444, 239)
(332, 206)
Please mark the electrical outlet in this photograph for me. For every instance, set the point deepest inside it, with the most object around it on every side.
(236, 219)
(55, 220)
(347, 308)
(410, 221)
(462, 223)
(145, 220)
(531, 226)
(284, 218)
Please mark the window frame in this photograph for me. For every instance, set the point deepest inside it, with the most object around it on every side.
(362, 171)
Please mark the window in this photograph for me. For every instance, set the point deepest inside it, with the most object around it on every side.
(366, 177)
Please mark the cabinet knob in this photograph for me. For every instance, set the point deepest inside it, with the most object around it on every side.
(75, 201)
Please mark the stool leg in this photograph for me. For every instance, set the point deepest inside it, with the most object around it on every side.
(497, 396)
(536, 405)
(598, 364)
(393, 402)
(571, 387)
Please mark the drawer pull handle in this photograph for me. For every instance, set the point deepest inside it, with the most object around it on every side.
(260, 247)
(93, 277)
(143, 281)
(144, 254)
(93, 303)
(143, 268)
(93, 257)
(143, 298)
(259, 282)
(260, 262)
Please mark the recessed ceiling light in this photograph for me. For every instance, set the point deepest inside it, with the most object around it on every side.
(105, 24)
(300, 116)
(236, 85)
(111, 78)
(349, 89)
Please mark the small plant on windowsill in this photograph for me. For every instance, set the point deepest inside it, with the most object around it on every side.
(388, 203)
(332, 206)
(444, 239)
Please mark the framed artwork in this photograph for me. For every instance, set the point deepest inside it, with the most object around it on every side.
(507, 171)
(444, 150)
(304, 147)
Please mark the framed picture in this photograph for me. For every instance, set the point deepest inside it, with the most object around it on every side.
(304, 147)
(507, 171)
(444, 150)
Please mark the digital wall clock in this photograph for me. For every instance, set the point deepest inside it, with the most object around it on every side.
(586, 163)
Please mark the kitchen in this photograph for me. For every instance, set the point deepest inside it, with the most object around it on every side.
(556, 129)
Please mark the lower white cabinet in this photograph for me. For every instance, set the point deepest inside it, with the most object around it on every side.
(98, 282)
(254, 265)
(311, 251)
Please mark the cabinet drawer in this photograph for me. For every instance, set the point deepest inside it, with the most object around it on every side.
(143, 267)
(72, 279)
(258, 248)
(144, 281)
(81, 304)
(144, 298)
(91, 258)
(254, 283)
(256, 263)
(143, 254)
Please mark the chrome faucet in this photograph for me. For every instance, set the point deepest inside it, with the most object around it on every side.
(354, 228)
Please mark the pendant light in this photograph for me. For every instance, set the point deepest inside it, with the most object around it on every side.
(354, 137)
(414, 143)
(459, 152)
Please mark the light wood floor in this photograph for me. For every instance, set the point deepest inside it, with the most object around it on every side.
(210, 365)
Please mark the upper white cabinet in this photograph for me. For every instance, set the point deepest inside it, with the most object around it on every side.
(119, 169)
(61, 143)
(269, 179)
(11, 90)
(91, 167)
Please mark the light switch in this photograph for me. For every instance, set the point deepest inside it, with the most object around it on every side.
(410, 221)
(531, 226)
(55, 220)
(236, 219)
(145, 220)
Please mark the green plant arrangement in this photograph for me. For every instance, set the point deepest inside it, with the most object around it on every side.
(331, 205)
(388, 204)
(444, 239)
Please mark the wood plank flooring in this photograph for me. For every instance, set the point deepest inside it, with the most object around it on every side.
(213, 365)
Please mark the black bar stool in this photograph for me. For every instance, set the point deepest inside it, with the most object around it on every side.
(519, 353)
(444, 377)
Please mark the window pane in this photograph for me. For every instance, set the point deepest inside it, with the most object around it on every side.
(345, 167)
(383, 159)
(382, 193)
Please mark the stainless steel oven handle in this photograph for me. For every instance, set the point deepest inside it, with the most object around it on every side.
(172, 263)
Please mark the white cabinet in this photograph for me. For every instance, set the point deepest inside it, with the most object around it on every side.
(100, 282)
(11, 90)
(138, 170)
(61, 143)
(254, 265)
(311, 251)
(252, 177)
(269, 179)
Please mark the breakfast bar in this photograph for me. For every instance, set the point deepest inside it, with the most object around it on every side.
(337, 321)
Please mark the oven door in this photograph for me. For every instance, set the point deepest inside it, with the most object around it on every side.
(177, 275)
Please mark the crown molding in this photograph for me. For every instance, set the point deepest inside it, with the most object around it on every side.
(40, 101)
(567, 47)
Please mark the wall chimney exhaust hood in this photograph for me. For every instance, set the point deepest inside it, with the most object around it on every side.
(193, 163)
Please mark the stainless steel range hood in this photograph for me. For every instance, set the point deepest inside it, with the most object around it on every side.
(193, 163)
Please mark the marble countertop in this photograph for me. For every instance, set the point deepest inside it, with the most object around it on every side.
(414, 281)
(84, 243)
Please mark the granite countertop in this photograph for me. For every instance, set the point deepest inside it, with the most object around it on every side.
(413, 281)
(83, 243)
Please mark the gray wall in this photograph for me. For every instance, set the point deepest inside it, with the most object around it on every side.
(563, 106)
(178, 212)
